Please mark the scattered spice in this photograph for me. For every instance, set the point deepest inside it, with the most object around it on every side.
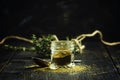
(61, 70)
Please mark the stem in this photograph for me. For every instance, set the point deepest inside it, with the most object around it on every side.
(83, 36)
(15, 37)
(80, 46)
(54, 36)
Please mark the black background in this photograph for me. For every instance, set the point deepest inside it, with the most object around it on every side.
(61, 17)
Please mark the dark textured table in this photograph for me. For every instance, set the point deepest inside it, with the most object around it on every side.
(102, 63)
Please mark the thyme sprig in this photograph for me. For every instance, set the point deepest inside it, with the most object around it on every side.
(42, 45)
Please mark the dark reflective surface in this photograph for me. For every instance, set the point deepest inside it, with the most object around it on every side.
(98, 62)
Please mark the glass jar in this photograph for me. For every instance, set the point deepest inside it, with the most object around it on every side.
(62, 54)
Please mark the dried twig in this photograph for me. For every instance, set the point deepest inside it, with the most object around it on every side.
(15, 37)
(83, 36)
